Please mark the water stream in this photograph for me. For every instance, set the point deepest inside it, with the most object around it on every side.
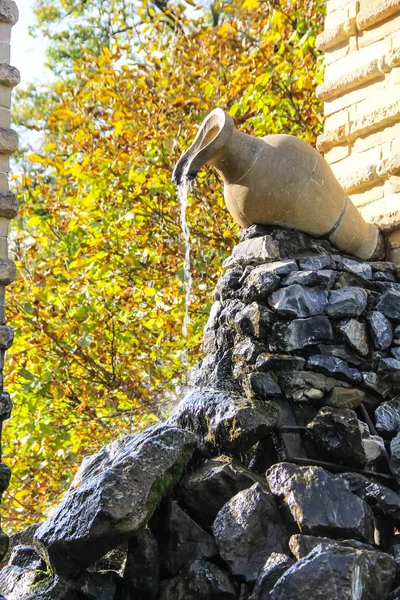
(187, 275)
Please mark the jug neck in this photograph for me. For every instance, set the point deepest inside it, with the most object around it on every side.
(237, 157)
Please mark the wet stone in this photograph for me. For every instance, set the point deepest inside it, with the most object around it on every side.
(204, 492)
(278, 363)
(347, 302)
(229, 310)
(382, 276)
(335, 436)
(228, 285)
(201, 581)
(334, 367)
(325, 278)
(373, 382)
(248, 529)
(262, 385)
(396, 353)
(389, 304)
(301, 333)
(274, 568)
(281, 267)
(248, 351)
(259, 284)
(337, 572)
(396, 336)
(142, 568)
(360, 269)
(340, 352)
(382, 330)
(319, 503)
(253, 231)
(226, 421)
(301, 545)
(316, 263)
(341, 397)
(395, 457)
(5, 406)
(298, 301)
(384, 502)
(181, 540)
(355, 335)
(253, 251)
(254, 320)
(382, 265)
(390, 368)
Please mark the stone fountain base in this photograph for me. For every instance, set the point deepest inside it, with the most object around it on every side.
(277, 475)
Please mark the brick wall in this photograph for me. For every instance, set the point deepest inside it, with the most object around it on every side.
(361, 93)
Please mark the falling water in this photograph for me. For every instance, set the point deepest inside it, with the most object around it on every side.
(188, 279)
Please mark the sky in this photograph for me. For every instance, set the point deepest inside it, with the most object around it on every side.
(27, 53)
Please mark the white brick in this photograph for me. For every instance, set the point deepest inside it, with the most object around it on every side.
(371, 90)
(356, 59)
(380, 31)
(337, 153)
(368, 196)
(356, 161)
(377, 138)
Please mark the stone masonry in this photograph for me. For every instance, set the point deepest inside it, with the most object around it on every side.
(9, 78)
(361, 139)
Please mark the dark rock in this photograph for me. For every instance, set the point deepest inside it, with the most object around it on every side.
(213, 319)
(248, 529)
(360, 269)
(389, 368)
(389, 304)
(355, 335)
(333, 573)
(341, 397)
(19, 583)
(204, 492)
(382, 265)
(387, 417)
(298, 301)
(301, 333)
(259, 284)
(274, 568)
(201, 581)
(181, 541)
(90, 586)
(395, 595)
(142, 569)
(335, 436)
(5, 475)
(278, 363)
(319, 503)
(214, 370)
(5, 406)
(341, 352)
(306, 383)
(395, 456)
(229, 310)
(301, 545)
(382, 330)
(21, 538)
(325, 278)
(315, 263)
(228, 285)
(253, 251)
(27, 558)
(226, 421)
(395, 353)
(396, 336)
(248, 351)
(4, 547)
(253, 231)
(254, 320)
(115, 560)
(383, 501)
(335, 367)
(375, 383)
(113, 494)
(281, 267)
(383, 276)
(347, 302)
(262, 385)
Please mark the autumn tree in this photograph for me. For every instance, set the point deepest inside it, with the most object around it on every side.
(99, 301)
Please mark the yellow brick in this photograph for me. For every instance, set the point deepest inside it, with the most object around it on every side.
(377, 138)
(393, 239)
(357, 161)
(394, 181)
(337, 53)
(333, 5)
(380, 31)
(337, 153)
(384, 212)
(368, 196)
(356, 59)
(336, 18)
(394, 256)
(375, 89)
(336, 119)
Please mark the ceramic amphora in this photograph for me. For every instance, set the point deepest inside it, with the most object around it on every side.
(278, 180)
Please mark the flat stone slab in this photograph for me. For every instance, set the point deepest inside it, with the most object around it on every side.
(224, 421)
(298, 301)
(319, 503)
(113, 494)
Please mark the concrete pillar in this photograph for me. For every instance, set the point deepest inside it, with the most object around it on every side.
(9, 77)
(361, 91)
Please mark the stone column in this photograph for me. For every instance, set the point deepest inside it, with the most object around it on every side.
(361, 139)
(9, 77)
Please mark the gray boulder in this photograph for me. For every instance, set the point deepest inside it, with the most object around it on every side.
(248, 529)
(142, 568)
(201, 581)
(387, 417)
(319, 503)
(298, 301)
(225, 421)
(274, 568)
(113, 495)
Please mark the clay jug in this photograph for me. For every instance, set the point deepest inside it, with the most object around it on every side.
(278, 180)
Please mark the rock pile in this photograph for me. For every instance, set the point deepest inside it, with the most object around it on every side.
(277, 475)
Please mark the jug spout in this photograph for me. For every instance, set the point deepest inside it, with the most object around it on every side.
(213, 135)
